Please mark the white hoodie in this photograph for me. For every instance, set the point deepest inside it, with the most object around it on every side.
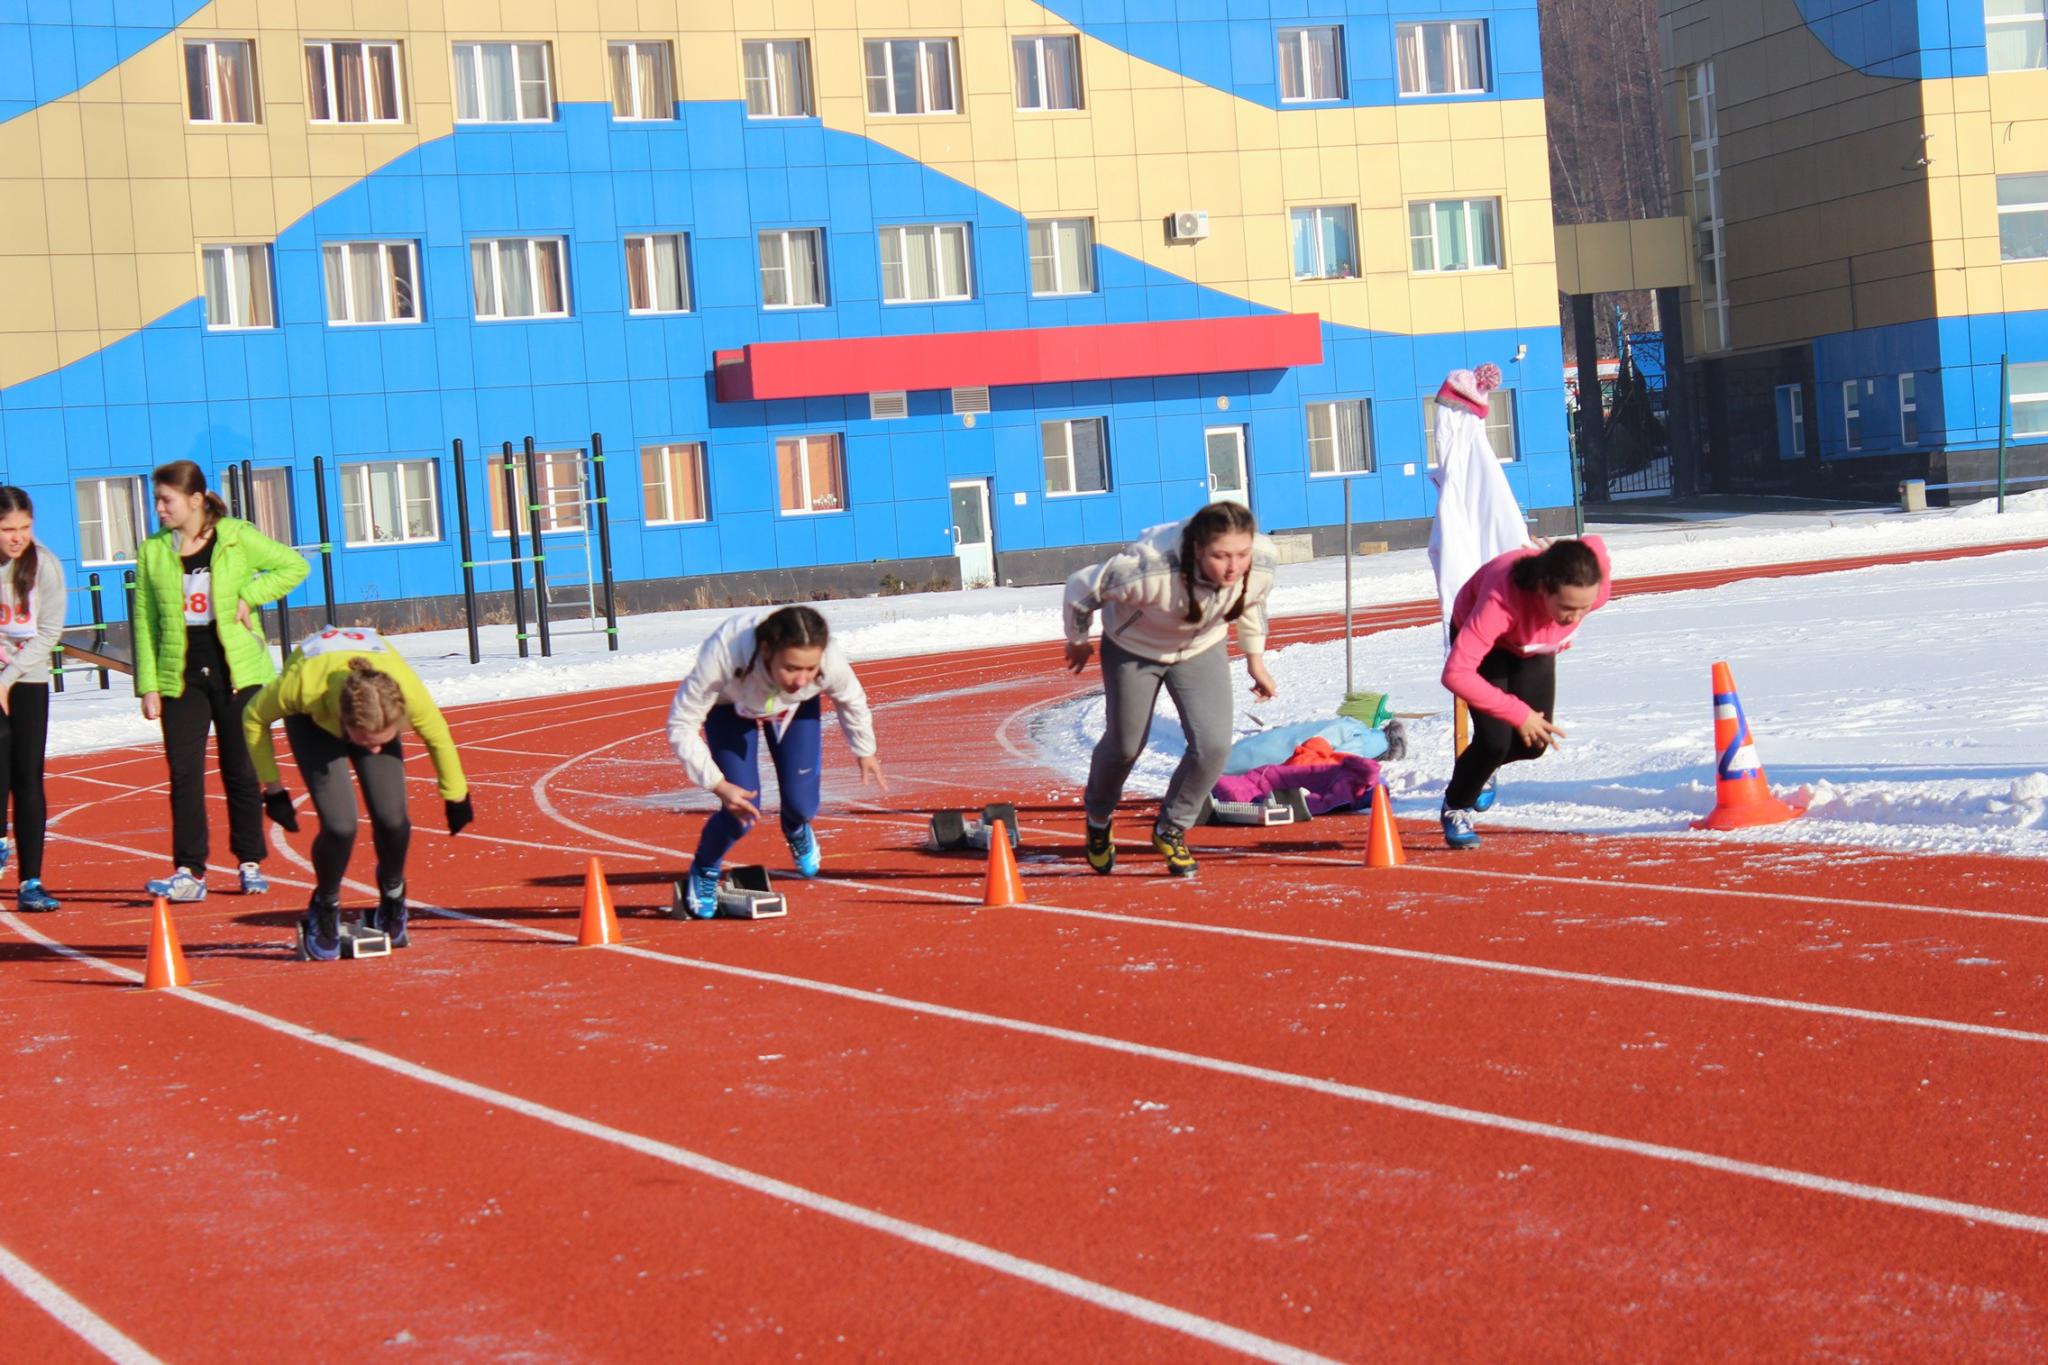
(1477, 517)
(727, 672)
(1144, 600)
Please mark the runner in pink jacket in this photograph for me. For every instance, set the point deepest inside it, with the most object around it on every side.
(1509, 624)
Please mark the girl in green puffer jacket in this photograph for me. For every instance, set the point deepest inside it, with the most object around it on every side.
(198, 659)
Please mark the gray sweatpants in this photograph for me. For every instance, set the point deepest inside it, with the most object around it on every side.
(324, 762)
(1200, 688)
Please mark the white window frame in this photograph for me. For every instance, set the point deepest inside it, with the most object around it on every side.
(1066, 455)
(1797, 407)
(1299, 36)
(900, 234)
(2038, 18)
(214, 49)
(698, 470)
(101, 488)
(1456, 32)
(560, 471)
(776, 95)
(531, 248)
(644, 242)
(260, 251)
(1057, 259)
(1322, 266)
(1041, 45)
(359, 473)
(665, 61)
(1710, 245)
(803, 465)
(927, 85)
(2037, 206)
(2036, 373)
(470, 52)
(1486, 206)
(1501, 426)
(1336, 437)
(1909, 405)
(323, 49)
(1852, 414)
(819, 282)
(386, 252)
(279, 479)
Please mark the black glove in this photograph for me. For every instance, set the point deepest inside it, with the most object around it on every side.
(278, 806)
(460, 813)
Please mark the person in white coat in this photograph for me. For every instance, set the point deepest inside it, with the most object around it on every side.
(764, 670)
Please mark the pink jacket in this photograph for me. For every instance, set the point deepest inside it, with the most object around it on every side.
(1491, 612)
(1343, 785)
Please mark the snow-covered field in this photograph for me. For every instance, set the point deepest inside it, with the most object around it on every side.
(1908, 697)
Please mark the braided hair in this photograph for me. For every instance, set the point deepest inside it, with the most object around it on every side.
(370, 700)
(787, 628)
(1217, 519)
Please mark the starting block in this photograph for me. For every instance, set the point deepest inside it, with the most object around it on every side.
(954, 830)
(743, 893)
(1289, 806)
(357, 941)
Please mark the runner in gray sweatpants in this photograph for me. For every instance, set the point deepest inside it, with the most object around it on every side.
(1167, 602)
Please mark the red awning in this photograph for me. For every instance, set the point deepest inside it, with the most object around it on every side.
(1035, 355)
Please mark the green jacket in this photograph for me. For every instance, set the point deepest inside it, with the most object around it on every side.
(248, 566)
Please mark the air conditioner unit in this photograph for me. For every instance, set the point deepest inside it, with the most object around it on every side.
(885, 406)
(1189, 225)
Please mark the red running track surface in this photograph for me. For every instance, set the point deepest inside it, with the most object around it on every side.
(1558, 1098)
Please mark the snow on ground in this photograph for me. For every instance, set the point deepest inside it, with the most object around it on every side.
(660, 648)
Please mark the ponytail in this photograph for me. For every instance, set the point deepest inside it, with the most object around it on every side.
(14, 499)
(787, 628)
(370, 701)
(1561, 564)
(189, 479)
(1217, 519)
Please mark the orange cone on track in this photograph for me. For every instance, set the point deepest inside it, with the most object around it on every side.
(1383, 842)
(600, 924)
(166, 967)
(1004, 886)
(1742, 795)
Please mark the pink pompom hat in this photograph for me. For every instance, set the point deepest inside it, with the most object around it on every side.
(1467, 389)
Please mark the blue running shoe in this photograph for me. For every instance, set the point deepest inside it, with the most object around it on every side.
(182, 886)
(704, 892)
(254, 883)
(391, 916)
(320, 931)
(6, 849)
(803, 846)
(1458, 831)
(33, 900)
(1488, 794)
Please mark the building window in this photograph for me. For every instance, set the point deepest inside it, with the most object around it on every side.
(1062, 256)
(266, 502)
(777, 76)
(353, 82)
(1311, 64)
(911, 76)
(502, 83)
(371, 282)
(2022, 217)
(1909, 409)
(1048, 72)
(1703, 133)
(391, 503)
(643, 83)
(1076, 456)
(220, 80)
(2029, 387)
(1442, 59)
(238, 291)
(672, 484)
(519, 277)
(1500, 425)
(561, 491)
(1340, 437)
(2015, 35)
(657, 274)
(1454, 234)
(925, 264)
(1852, 415)
(1791, 422)
(810, 474)
(1325, 243)
(793, 268)
(109, 519)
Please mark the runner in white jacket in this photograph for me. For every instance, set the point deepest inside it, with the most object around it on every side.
(764, 668)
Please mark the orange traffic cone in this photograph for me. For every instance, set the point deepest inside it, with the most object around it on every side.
(1742, 795)
(600, 924)
(166, 967)
(1383, 841)
(1003, 886)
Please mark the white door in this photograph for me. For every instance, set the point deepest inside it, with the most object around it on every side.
(973, 543)
(1226, 465)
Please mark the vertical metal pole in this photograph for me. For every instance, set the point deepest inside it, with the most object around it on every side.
(1347, 588)
(233, 491)
(540, 568)
(99, 624)
(57, 667)
(128, 596)
(604, 542)
(2004, 405)
(326, 536)
(511, 480)
(476, 654)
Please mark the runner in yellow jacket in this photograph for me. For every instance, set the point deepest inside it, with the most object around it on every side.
(344, 696)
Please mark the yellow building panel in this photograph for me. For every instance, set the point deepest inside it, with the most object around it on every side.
(1426, 169)
(998, 180)
(67, 214)
(985, 64)
(248, 156)
(31, 295)
(1207, 125)
(1536, 301)
(1260, 180)
(1163, 185)
(1214, 182)
(1073, 138)
(156, 143)
(1383, 240)
(1075, 184)
(946, 143)
(28, 353)
(1477, 121)
(1379, 177)
(1116, 188)
(1258, 128)
(1159, 117)
(1986, 286)
(206, 155)
(75, 292)
(163, 215)
(1437, 303)
(534, 16)
(1301, 174)
(255, 211)
(1034, 139)
(24, 230)
(103, 131)
(120, 298)
(210, 210)
(1038, 186)
(1478, 167)
(1109, 114)
(1389, 304)
(154, 75)
(337, 154)
(110, 211)
(1337, 171)
(61, 138)
(1488, 299)
(2026, 286)
(1220, 261)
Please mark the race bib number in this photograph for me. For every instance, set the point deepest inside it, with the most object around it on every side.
(343, 640)
(16, 621)
(199, 597)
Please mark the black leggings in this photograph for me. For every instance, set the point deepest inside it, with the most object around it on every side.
(1531, 677)
(324, 761)
(24, 734)
(209, 703)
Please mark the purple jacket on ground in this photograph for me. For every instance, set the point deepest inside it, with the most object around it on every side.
(1343, 785)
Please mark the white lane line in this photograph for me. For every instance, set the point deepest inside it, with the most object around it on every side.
(88, 1326)
(535, 843)
(1036, 1273)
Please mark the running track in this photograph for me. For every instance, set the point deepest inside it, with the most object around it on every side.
(1558, 1098)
